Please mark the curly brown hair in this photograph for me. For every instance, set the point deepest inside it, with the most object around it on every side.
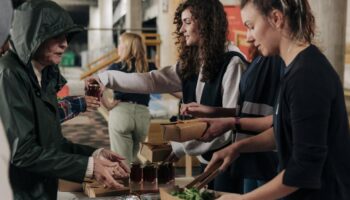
(212, 24)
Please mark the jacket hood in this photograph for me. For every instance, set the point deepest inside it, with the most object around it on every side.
(36, 21)
(5, 22)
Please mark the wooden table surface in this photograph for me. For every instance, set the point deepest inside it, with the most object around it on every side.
(145, 187)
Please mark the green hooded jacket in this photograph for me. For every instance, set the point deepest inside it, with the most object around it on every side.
(40, 154)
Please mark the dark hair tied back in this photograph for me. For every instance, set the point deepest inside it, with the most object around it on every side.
(300, 18)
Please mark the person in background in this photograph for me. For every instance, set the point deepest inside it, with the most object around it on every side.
(311, 127)
(129, 117)
(29, 81)
(6, 12)
(70, 106)
(208, 72)
(258, 90)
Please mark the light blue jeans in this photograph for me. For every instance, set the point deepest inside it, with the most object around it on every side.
(128, 126)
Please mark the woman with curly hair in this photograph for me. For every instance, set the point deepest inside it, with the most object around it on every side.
(206, 73)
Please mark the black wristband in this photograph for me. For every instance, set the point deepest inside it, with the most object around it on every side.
(237, 123)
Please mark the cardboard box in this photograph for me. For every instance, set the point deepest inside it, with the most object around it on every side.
(68, 186)
(155, 152)
(95, 189)
(155, 135)
(165, 194)
(183, 131)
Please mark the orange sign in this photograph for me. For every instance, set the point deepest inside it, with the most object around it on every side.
(237, 31)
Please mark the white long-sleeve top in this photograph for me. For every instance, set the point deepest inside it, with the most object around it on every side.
(167, 80)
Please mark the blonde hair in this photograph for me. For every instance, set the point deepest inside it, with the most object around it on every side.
(134, 48)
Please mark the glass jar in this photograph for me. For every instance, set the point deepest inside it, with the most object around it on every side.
(163, 173)
(171, 171)
(149, 172)
(93, 89)
(136, 172)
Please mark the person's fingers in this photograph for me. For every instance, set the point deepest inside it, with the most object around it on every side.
(183, 109)
(213, 160)
(116, 156)
(111, 183)
(117, 185)
(225, 164)
(193, 104)
(124, 167)
(112, 156)
(108, 163)
(120, 171)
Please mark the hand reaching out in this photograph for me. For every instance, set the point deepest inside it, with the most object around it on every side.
(216, 127)
(197, 110)
(226, 156)
(92, 103)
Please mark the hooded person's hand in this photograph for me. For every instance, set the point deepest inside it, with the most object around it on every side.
(92, 103)
(123, 169)
(105, 173)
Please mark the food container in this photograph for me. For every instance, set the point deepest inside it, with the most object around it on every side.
(155, 152)
(93, 89)
(94, 189)
(150, 172)
(136, 172)
(183, 131)
(171, 170)
(163, 173)
(166, 173)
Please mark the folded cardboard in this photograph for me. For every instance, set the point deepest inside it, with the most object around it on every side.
(155, 135)
(165, 194)
(183, 131)
(94, 189)
(68, 186)
(155, 152)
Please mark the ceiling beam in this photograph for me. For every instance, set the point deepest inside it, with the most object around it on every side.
(77, 2)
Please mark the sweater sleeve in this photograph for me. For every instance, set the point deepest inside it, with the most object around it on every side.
(69, 107)
(157, 81)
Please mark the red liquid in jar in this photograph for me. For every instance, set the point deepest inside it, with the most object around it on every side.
(93, 90)
(163, 173)
(136, 172)
(149, 173)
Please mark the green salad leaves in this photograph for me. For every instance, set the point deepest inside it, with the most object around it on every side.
(194, 194)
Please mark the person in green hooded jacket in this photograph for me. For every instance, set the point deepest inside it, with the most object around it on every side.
(29, 81)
